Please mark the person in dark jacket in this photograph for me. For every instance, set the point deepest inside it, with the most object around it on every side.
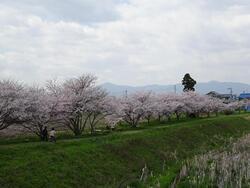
(45, 134)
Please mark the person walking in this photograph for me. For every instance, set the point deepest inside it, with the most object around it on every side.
(52, 135)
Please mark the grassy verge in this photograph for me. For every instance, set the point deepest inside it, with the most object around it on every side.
(226, 167)
(115, 159)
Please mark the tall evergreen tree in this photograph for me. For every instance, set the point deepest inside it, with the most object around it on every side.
(188, 82)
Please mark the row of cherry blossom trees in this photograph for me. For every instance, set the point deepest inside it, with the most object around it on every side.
(147, 105)
(78, 104)
(75, 104)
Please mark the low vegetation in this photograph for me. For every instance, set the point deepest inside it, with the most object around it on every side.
(227, 167)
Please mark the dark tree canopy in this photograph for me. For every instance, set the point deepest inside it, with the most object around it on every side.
(188, 82)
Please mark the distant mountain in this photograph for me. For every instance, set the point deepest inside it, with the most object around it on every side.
(220, 87)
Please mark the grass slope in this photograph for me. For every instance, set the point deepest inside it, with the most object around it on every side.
(116, 159)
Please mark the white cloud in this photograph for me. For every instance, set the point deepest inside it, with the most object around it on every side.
(142, 42)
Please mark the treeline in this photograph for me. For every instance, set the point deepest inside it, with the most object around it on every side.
(78, 103)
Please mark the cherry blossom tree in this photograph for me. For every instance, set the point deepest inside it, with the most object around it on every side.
(99, 108)
(132, 108)
(113, 118)
(159, 106)
(150, 107)
(40, 111)
(234, 106)
(176, 105)
(81, 102)
(194, 103)
(12, 104)
(169, 104)
(214, 105)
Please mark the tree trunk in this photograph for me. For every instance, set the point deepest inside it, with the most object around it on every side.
(77, 132)
(92, 129)
(41, 137)
(177, 116)
(159, 118)
(169, 118)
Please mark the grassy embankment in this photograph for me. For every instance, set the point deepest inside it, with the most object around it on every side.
(117, 158)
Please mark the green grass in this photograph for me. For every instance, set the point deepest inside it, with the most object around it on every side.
(116, 158)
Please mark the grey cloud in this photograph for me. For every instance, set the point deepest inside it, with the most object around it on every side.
(136, 42)
(82, 11)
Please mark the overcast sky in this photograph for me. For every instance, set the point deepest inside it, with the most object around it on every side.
(134, 42)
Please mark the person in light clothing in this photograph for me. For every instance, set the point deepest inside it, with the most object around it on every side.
(52, 135)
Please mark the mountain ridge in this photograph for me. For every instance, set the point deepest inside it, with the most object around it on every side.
(202, 87)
